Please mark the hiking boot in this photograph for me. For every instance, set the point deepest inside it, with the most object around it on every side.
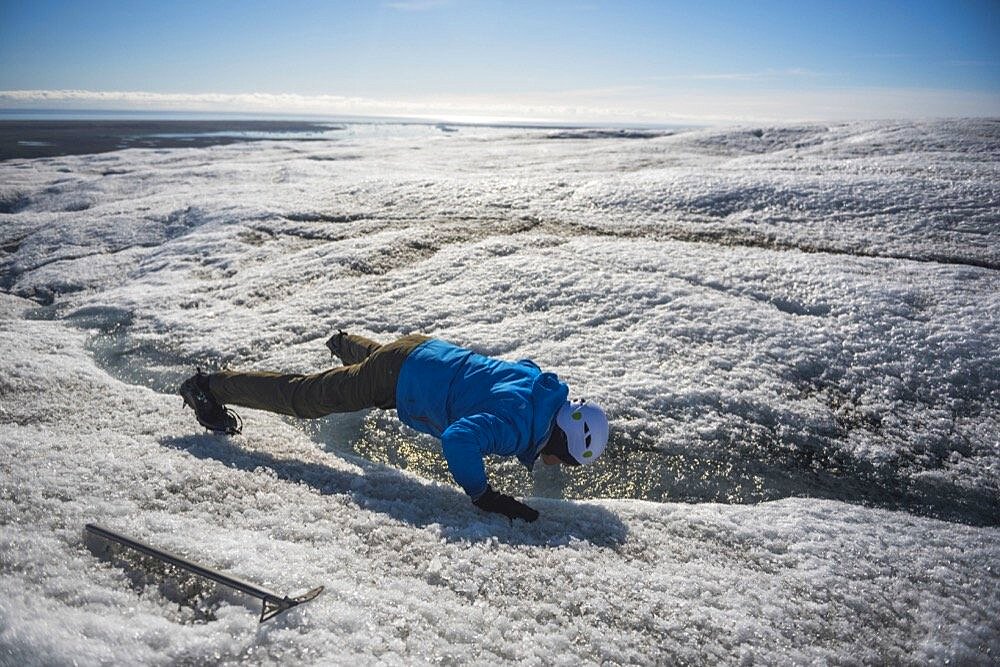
(334, 343)
(209, 412)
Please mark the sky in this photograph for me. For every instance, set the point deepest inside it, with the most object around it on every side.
(580, 61)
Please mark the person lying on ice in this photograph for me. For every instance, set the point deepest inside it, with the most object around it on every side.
(475, 405)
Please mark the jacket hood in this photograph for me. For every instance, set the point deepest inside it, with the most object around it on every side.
(548, 394)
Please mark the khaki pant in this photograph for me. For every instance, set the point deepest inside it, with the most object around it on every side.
(367, 380)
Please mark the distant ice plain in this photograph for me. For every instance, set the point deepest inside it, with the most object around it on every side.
(802, 315)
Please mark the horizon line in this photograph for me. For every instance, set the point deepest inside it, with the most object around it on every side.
(81, 114)
(628, 106)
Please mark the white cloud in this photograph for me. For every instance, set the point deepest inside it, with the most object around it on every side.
(624, 104)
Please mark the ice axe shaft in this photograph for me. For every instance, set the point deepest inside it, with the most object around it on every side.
(274, 603)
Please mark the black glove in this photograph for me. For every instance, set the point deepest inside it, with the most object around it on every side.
(491, 501)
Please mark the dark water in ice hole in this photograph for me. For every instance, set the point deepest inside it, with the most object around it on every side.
(759, 468)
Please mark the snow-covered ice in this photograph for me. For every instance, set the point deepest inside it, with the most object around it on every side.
(794, 330)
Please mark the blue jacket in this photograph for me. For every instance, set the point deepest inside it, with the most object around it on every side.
(477, 405)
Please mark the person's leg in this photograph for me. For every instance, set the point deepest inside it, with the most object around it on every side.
(368, 384)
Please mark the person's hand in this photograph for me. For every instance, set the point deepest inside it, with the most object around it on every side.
(491, 501)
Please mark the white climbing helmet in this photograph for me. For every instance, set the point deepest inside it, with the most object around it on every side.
(586, 428)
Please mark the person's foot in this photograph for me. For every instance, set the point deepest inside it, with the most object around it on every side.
(207, 410)
(334, 342)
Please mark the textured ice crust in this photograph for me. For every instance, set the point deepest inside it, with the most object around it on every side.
(413, 573)
(804, 316)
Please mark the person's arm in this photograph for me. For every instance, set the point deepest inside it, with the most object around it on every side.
(465, 443)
